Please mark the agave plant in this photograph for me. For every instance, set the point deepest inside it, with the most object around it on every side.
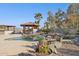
(42, 46)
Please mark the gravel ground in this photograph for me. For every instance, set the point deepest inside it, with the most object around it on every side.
(68, 49)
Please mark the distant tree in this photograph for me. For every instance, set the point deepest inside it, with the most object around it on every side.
(50, 19)
(60, 16)
(73, 9)
(46, 25)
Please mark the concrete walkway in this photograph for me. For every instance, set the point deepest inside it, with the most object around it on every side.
(13, 47)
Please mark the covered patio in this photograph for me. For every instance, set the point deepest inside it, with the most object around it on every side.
(29, 27)
(7, 29)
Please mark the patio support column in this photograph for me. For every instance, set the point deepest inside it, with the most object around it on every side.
(28, 30)
(32, 29)
(7, 28)
(24, 29)
(14, 29)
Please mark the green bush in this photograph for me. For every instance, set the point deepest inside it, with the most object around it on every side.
(33, 36)
(39, 38)
(45, 30)
(78, 30)
(66, 31)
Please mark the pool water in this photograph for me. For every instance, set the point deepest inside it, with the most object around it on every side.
(20, 38)
(36, 38)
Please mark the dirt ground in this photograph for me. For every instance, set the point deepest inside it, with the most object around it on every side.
(68, 49)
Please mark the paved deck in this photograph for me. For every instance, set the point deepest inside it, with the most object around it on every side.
(13, 47)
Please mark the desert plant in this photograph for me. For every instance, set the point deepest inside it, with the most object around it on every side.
(33, 36)
(46, 30)
(78, 30)
(42, 47)
(39, 38)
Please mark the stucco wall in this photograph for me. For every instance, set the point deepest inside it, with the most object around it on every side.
(8, 32)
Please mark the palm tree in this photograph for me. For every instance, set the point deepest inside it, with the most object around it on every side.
(38, 17)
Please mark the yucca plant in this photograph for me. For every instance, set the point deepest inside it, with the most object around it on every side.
(43, 50)
(42, 47)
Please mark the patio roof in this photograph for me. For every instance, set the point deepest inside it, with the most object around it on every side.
(29, 24)
(8, 25)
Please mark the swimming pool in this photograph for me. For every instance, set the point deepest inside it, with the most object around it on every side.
(20, 38)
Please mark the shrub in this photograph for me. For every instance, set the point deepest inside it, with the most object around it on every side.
(39, 38)
(45, 30)
(66, 31)
(78, 30)
(42, 47)
(33, 36)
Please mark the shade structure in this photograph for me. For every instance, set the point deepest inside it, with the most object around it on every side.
(29, 24)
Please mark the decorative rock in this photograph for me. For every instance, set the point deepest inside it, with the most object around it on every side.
(53, 48)
(58, 44)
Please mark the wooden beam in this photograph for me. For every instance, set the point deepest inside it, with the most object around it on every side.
(24, 29)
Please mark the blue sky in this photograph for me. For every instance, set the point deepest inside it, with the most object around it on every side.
(17, 13)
